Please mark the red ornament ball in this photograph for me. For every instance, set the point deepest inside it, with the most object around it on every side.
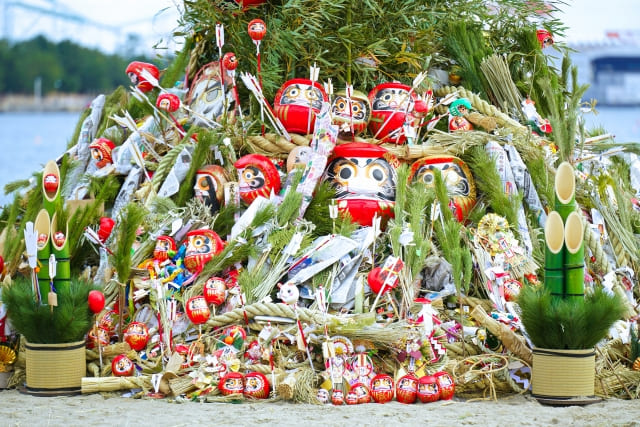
(96, 301)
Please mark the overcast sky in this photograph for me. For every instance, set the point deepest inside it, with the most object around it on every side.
(154, 20)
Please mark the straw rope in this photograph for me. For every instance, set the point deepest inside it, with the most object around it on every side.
(266, 309)
(488, 373)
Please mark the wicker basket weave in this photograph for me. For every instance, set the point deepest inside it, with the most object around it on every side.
(563, 373)
(55, 369)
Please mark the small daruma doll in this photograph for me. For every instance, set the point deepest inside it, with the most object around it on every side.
(215, 290)
(456, 176)
(202, 245)
(209, 186)
(428, 389)
(407, 389)
(364, 177)
(136, 335)
(382, 388)
(136, 72)
(257, 176)
(296, 104)
(101, 152)
(165, 248)
(197, 310)
(351, 114)
(122, 366)
(457, 112)
(445, 385)
(392, 105)
(231, 383)
(256, 385)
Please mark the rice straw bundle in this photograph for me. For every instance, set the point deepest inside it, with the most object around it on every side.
(103, 384)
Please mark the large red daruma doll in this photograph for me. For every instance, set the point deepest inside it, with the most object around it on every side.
(364, 177)
(457, 177)
(391, 106)
(296, 104)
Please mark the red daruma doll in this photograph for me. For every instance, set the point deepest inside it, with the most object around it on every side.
(296, 104)
(391, 106)
(364, 177)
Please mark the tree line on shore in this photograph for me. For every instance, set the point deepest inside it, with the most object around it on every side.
(61, 67)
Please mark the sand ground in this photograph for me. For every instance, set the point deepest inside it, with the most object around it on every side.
(17, 409)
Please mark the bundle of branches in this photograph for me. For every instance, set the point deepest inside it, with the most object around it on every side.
(43, 324)
(568, 324)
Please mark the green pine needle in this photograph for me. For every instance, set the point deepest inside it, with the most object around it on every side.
(69, 321)
(568, 324)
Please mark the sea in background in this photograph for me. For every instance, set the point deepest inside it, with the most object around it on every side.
(29, 140)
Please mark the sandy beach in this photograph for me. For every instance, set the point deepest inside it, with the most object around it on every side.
(19, 409)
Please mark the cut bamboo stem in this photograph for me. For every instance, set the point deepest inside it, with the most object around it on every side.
(565, 189)
(554, 257)
(574, 257)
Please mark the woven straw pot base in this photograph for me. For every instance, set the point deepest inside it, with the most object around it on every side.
(563, 375)
(55, 369)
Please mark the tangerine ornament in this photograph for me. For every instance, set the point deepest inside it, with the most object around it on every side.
(197, 310)
(122, 366)
(256, 385)
(407, 389)
(382, 388)
(445, 385)
(136, 335)
(231, 383)
(215, 290)
(428, 389)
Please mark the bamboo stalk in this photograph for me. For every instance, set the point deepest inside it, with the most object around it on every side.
(50, 199)
(42, 226)
(63, 261)
(553, 255)
(574, 257)
(565, 189)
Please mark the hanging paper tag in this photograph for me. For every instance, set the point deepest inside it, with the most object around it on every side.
(155, 381)
(52, 299)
